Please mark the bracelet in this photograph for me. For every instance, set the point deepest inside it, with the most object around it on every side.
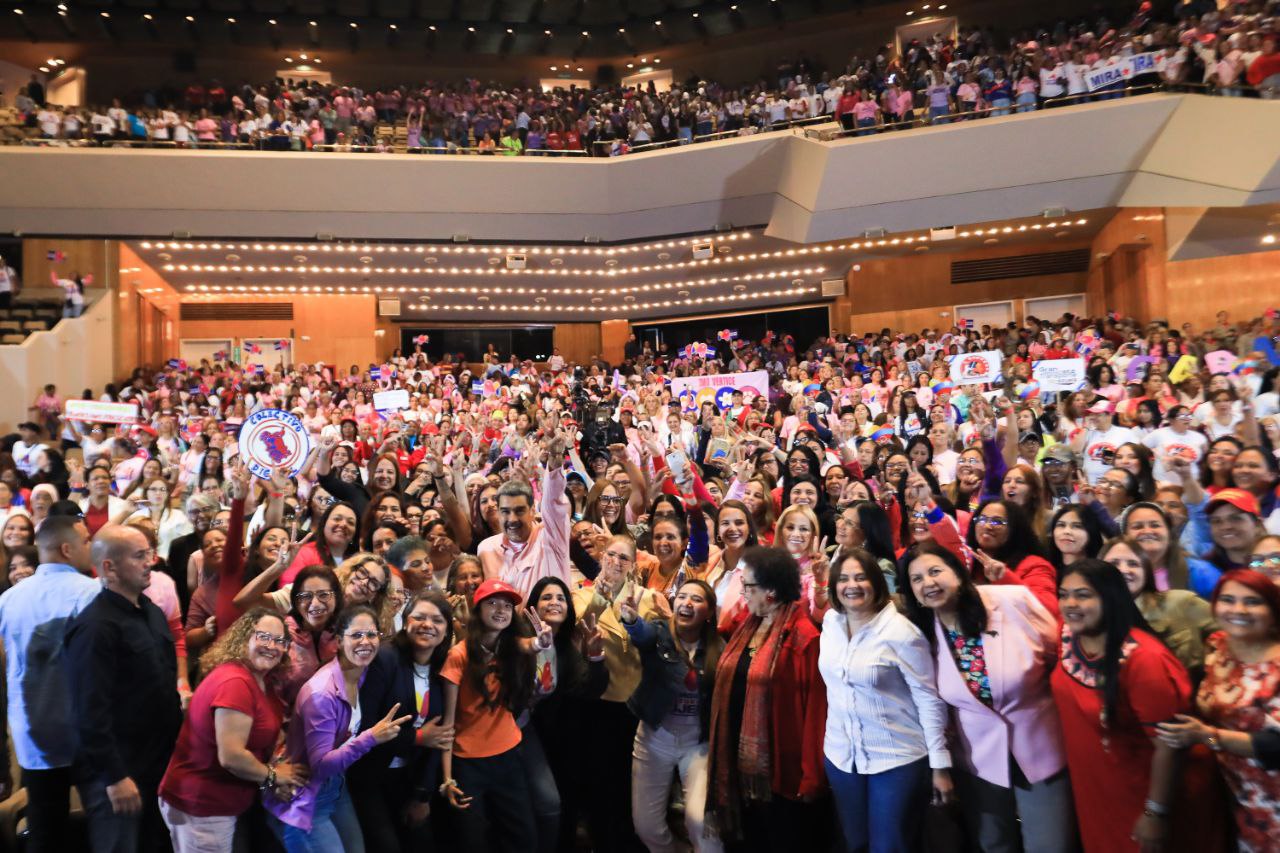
(448, 783)
(277, 495)
(269, 782)
(1214, 742)
(1154, 809)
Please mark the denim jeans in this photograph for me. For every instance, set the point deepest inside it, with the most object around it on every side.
(659, 752)
(1000, 107)
(1027, 102)
(938, 115)
(866, 126)
(544, 796)
(334, 825)
(881, 812)
(115, 833)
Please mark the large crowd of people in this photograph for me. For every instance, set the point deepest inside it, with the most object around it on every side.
(1232, 52)
(557, 606)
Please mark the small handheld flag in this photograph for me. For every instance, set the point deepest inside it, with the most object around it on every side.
(420, 340)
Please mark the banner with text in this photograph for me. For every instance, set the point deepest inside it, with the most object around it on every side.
(1121, 69)
(693, 391)
(100, 412)
(1062, 374)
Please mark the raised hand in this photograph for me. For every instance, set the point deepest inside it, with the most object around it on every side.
(917, 489)
(589, 635)
(238, 482)
(388, 728)
(629, 607)
(993, 569)
(543, 635)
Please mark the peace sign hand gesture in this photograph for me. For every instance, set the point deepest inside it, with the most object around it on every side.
(388, 728)
(543, 636)
(591, 638)
(993, 569)
(629, 607)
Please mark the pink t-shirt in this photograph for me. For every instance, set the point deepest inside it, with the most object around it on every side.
(206, 129)
(864, 110)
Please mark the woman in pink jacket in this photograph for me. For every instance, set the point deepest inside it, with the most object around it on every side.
(994, 647)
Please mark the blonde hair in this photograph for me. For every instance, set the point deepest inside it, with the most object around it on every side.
(798, 509)
(381, 603)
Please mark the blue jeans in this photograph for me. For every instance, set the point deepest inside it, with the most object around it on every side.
(543, 794)
(1000, 106)
(866, 126)
(881, 812)
(334, 825)
(1027, 102)
(938, 115)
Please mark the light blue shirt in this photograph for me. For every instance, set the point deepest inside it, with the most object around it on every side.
(33, 624)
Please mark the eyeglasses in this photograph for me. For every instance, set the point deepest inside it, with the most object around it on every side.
(991, 521)
(619, 558)
(608, 500)
(746, 585)
(362, 577)
(1268, 563)
(219, 523)
(268, 639)
(308, 597)
(358, 636)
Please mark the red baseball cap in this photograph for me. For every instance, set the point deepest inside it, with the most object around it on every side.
(1102, 407)
(493, 587)
(1238, 498)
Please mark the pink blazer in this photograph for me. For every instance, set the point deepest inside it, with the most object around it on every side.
(1021, 648)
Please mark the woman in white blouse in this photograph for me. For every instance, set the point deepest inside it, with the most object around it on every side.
(885, 747)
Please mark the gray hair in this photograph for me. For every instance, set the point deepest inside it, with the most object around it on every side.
(516, 489)
(201, 501)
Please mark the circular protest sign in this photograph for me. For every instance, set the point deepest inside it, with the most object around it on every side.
(272, 438)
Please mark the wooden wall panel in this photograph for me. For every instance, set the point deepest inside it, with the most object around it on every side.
(613, 340)
(1244, 286)
(84, 257)
(580, 342)
(911, 291)
(334, 328)
(147, 315)
(1127, 267)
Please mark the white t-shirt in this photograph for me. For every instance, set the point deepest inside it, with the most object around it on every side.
(1051, 81)
(49, 122)
(1189, 445)
(1099, 444)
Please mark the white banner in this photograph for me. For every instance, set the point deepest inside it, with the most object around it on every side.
(1123, 69)
(1063, 374)
(693, 391)
(100, 412)
(974, 368)
(391, 401)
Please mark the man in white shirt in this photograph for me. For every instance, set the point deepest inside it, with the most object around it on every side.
(1100, 440)
(50, 123)
(1052, 78)
(27, 449)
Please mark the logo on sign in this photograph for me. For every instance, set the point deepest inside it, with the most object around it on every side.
(1099, 451)
(273, 438)
(724, 398)
(973, 366)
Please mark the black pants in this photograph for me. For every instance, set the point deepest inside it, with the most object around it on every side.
(782, 824)
(500, 811)
(380, 806)
(48, 809)
(610, 740)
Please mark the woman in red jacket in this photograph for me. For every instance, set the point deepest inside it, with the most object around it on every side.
(1006, 549)
(768, 716)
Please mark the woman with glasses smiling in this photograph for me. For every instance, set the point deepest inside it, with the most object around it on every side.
(363, 579)
(316, 600)
(1266, 557)
(223, 755)
(1006, 550)
(320, 817)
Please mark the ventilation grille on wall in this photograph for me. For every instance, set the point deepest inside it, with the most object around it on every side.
(237, 311)
(1020, 266)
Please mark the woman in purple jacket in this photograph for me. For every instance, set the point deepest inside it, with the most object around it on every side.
(321, 818)
(994, 646)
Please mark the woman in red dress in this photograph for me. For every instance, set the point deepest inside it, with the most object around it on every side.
(1114, 683)
(1239, 701)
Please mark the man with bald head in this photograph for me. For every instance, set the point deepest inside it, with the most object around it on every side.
(123, 670)
(33, 622)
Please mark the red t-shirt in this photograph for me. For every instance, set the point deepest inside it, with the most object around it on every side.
(195, 782)
(96, 518)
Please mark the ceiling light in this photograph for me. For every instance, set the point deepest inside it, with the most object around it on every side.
(391, 26)
(354, 25)
(302, 56)
(105, 14)
(510, 31)
(288, 59)
(231, 20)
(44, 69)
(579, 67)
(311, 23)
(586, 34)
(910, 13)
(554, 68)
(17, 11)
(631, 65)
(1269, 239)
(190, 19)
(62, 7)
(655, 23)
(471, 29)
(432, 28)
(941, 7)
(622, 29)
(695, 14)
(272, 22)
(656, 60)
(546, 32)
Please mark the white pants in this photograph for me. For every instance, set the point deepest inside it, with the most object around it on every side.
(192, 834)
(658, 753)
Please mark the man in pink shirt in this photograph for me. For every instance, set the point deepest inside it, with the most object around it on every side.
(344, 105)
(525, 551)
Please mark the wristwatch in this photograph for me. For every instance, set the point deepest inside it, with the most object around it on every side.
(1213, 742)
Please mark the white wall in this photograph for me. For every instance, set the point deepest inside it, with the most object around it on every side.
(74, 355)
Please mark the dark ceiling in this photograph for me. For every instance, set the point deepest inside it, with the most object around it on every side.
(495, 27)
